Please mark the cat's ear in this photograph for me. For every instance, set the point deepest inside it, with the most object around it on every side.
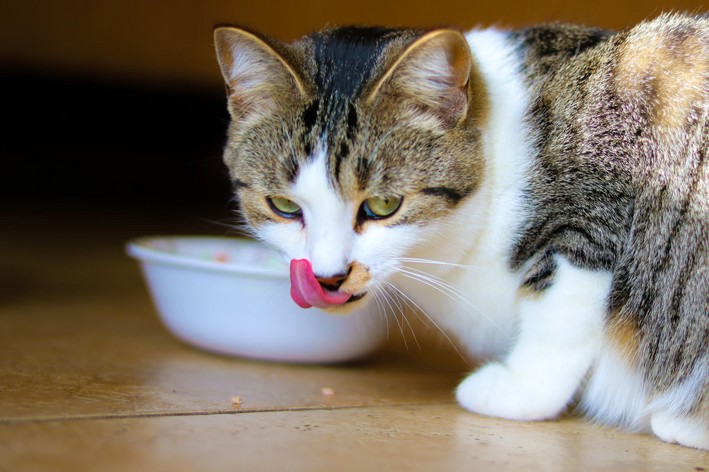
(256, 75)
(433, 74)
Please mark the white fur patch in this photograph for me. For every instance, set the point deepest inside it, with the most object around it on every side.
(615, 394)
(328, 218)
(560, 336)
(678, 400)
(676, 429)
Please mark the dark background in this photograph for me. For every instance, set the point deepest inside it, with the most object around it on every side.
(117, 107)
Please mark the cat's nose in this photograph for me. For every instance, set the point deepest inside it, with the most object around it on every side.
(332, 283)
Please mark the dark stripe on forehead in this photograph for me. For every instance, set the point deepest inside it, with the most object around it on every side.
(346, 57)
(346, 60)
(352, 121)
(343, 152)
(310, 115)
(349, 138)
(450, 194)
(310, 119)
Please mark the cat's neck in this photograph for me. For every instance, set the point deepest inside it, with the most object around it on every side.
(507, 148)
(476, 241)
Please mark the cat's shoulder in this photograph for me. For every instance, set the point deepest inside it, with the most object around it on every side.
(669, 50)
(669, 39)
(669, 29)
(665, 64)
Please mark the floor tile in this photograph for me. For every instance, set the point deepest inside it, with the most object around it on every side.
(410, 438)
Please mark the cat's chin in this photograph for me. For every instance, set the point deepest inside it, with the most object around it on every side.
(354, 303)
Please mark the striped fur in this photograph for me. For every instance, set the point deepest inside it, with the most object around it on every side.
(564, 164)
(621, 183)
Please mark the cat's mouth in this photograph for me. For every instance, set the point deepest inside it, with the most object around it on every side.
(307, 292)
(355, 298)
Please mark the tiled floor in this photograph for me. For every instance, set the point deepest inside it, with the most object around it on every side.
(90, 380)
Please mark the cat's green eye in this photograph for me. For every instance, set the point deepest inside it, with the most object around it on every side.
(381, 207)
(284, 207)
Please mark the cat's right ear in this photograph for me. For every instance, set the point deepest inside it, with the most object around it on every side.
(432, 75)
(256, 75)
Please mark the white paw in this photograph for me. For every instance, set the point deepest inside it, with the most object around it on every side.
(686, 431)
(495, 390)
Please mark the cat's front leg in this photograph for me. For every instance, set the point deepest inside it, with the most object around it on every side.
(560, 335)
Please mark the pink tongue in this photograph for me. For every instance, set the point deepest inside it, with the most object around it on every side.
(307, 292)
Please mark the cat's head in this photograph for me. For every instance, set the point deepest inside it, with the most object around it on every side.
(350, 148)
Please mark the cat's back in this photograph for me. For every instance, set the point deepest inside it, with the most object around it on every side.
(619, 120)
(663, 67)
(648, 82)
(659, 68)
(660, 76)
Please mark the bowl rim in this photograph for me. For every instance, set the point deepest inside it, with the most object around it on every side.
(137, 248)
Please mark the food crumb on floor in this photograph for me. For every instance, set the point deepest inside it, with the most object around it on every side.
(222, 257)
(236, 401)
(327, 391)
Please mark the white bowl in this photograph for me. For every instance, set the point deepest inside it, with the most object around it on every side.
(232, 296)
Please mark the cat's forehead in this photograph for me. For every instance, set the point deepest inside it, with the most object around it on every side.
(341, 65)
(344, 60)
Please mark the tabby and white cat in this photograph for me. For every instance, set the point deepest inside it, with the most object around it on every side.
(542, 194)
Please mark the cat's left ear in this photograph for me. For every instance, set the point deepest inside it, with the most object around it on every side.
(433, 73)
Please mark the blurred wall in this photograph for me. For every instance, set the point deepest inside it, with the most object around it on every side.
(120, 102)
(170, 41)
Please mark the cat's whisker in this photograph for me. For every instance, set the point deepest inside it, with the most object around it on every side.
(395, 308)
(237, 226)
(376, 295)
(396, 318)
(414, 260)
(408, 302)
(434, 280)
(401, 297)
(385, 298)
(450, 291)
(416, 309)
(397, 300)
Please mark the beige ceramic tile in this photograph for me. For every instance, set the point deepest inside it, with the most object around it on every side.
(78, 361)
(430, 437)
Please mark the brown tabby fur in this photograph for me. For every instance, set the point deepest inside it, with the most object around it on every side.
(618, 178)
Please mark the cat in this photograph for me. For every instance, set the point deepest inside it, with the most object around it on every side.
(542, 194)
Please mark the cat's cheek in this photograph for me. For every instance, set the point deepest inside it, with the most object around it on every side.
(288, 238)
(380, 250)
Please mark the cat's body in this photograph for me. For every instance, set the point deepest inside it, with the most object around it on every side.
(542, 195)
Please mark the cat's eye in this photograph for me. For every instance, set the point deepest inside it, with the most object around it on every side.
(381, 207)
(284, 207)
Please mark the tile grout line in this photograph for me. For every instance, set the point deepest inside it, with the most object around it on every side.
(230, 411)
